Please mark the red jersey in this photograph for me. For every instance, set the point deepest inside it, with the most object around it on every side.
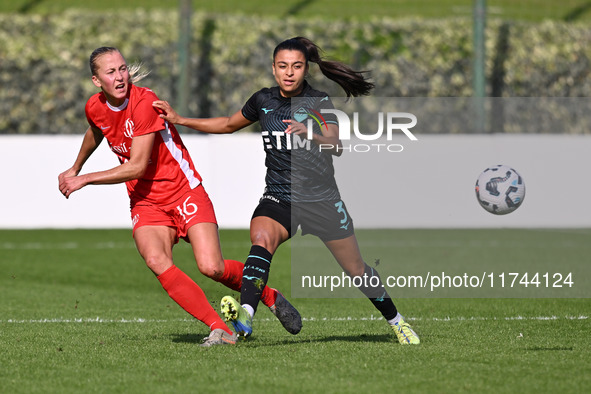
(170, 172)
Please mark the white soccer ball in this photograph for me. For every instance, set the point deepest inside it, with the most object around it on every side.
(500, 189)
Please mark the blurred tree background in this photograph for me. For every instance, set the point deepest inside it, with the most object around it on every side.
(532, 48)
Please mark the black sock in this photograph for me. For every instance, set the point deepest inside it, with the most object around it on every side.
(255, 276)
(377, 294)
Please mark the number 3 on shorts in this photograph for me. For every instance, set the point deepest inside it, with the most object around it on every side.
(188, 209)
(340, 209)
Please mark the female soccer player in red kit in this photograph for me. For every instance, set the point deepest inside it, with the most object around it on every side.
(168, 201)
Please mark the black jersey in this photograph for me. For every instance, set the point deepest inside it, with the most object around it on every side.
(296, 168)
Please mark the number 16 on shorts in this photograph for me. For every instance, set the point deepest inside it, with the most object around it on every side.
(187, 210)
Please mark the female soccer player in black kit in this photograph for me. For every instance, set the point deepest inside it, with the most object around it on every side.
(296, 195)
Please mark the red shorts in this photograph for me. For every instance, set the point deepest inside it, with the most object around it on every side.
(192, 208)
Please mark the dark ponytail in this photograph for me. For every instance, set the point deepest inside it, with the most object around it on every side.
(353, 82)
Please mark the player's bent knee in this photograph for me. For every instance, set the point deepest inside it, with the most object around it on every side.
(267, 243)
(158, 263)
(356, 269)
(213, 271)
(355, 273)
(267, 240)
(267, 233)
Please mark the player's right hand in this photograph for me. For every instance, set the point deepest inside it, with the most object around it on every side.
(166, 111)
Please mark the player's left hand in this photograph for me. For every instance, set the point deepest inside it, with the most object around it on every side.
(69, 182)
(294, 127)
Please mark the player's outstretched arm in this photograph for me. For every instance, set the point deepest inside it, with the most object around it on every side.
(219, 125)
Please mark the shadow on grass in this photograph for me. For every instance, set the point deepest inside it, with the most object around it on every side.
(576, 13)
(267, 340)
(198, 339)
(188, 338)
(354, 338)
(549, 348)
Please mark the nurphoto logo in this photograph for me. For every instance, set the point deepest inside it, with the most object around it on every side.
(388, 124)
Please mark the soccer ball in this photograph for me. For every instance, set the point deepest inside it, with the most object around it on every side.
(500, 189)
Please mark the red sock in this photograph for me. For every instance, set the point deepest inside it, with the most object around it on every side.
(185, 292)
(232, 278)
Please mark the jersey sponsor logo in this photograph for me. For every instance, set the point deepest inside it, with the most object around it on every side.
(105, 127)
(128, 128)
(267, 140)
(284, 141)
(267, 110)
(120, 149)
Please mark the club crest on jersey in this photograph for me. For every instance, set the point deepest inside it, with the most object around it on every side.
(300, 115)
(128, 128)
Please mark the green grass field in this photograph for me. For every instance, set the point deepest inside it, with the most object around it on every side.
(80, 313)
(531, 10)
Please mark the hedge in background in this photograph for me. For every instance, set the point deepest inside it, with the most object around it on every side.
(45, 78)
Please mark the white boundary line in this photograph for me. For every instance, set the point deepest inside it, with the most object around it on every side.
(89, 245)
(309, 319)
(305, 243)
